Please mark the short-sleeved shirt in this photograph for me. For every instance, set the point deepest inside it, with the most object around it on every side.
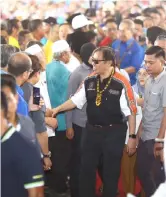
(22, 107)
(130, 54)
(117, 103)
(154, 103)
(21, 165)
(26, 128)
(38, 117)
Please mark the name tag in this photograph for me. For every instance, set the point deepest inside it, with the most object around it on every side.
(114, 92)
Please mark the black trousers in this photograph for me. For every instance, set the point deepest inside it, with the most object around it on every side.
(60, 148)
(149, 168)
(108, 143)
(75, 160)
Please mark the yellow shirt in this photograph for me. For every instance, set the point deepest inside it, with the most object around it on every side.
(48, 51)
(12, 41)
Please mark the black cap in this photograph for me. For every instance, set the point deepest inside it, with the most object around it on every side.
(50, 21)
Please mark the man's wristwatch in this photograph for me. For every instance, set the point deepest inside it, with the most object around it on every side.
(133, 136)
(47, 155)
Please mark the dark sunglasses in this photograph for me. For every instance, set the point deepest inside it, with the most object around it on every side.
(97, 61)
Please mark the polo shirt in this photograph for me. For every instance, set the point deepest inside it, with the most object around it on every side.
(154, 103)
(21, 166)
(22, 107)
(26, 128)
(134, 56)
(118, 100)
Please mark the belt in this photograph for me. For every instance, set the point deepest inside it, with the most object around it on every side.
(103, 126)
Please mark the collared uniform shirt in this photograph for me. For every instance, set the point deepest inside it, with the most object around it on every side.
(123, 97)
(21, 166)
(154, 103)
(134, 56)
(22, 107)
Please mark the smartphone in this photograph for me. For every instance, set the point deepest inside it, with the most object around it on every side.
(36, 96)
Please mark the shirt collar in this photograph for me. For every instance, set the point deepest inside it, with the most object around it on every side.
(157, 79)
(19, 90)
(10, 131)
(128, 42)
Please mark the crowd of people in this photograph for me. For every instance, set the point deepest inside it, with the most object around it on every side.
(83, 104)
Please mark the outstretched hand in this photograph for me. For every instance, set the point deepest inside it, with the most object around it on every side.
(55, 111)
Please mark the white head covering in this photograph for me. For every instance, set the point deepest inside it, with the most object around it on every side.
(80, 21)
(60, 46)
(34, 49)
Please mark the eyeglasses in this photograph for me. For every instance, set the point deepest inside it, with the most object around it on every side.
(96, 61)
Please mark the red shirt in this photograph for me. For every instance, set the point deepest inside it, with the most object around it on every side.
(105, 42)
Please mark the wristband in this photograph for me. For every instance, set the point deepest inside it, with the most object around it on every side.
(159, 140)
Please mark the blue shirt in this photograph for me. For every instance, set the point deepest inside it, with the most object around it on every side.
(21, 165)
(57, 76)
(22, 107)
(134, 56)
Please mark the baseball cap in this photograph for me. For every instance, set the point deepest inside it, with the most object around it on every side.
(80, 21)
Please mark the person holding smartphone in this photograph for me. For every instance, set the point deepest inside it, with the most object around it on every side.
(37, 110)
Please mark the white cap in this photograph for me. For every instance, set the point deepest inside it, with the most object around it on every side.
(60, 46)
(34, 49)
(80, 21)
